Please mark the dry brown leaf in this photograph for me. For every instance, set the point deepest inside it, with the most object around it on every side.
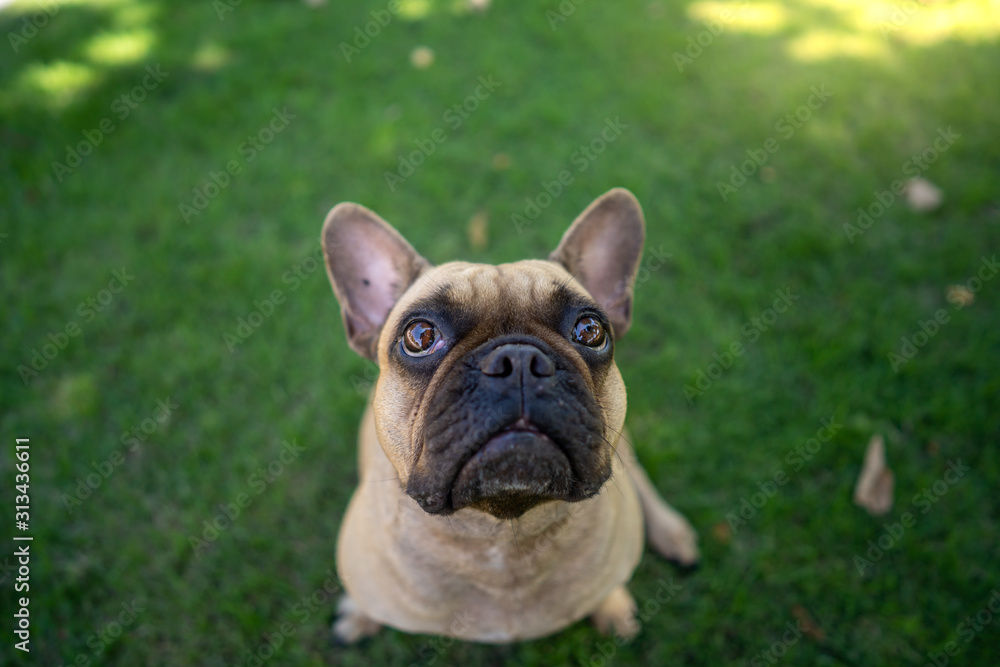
(722, 532)
(392, 113)
(960, 295)
(922, 195)
(478, 230)
(875, 483)
(501, 161)
(808, 625)
(422, 57)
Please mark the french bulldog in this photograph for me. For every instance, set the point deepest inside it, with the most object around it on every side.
(499, 498)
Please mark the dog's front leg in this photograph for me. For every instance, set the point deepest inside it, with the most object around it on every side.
(352, 625)
(616, 614)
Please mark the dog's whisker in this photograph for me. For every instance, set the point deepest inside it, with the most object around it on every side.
(514, 533)
(613, 448)
(621, 435)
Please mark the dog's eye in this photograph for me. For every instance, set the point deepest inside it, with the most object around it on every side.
(589, 331)
(420, 338)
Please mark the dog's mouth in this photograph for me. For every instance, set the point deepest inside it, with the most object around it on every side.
(510, 427)
(522, 425)
(513, 471)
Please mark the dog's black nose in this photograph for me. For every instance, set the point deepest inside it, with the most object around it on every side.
(517, 360)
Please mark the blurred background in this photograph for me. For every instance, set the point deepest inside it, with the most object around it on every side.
(172, 348)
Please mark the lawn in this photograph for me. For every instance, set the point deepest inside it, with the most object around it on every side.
(171, 345)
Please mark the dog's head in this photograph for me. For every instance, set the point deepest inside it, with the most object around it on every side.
(497, 387)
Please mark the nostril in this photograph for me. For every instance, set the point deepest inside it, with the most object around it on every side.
(541, 365)
(517, 360)
(497, 364)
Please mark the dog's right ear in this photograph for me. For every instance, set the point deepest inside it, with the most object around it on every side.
(370, 266)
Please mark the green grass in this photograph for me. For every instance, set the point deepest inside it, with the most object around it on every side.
(295, 379)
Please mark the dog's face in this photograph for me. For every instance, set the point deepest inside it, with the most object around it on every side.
(498, 388)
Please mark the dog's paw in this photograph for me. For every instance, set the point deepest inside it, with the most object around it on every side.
(670, 534)
(352, 625)
(616, 614)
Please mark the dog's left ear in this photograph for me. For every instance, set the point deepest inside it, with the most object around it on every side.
(370, 266)
(602, 248)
